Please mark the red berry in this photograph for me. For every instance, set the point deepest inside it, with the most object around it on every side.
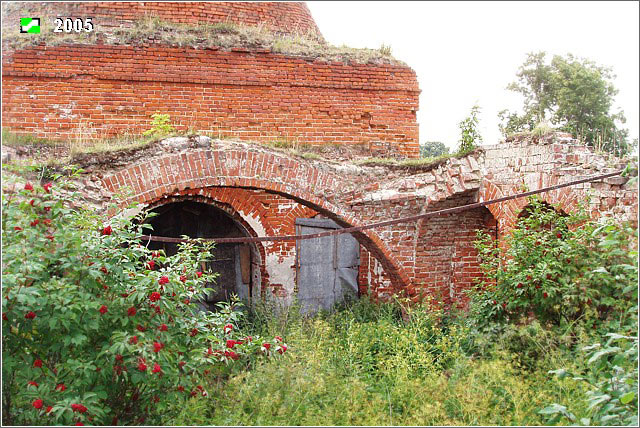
(47, 187)
(78, 408)
(28, 186)
(30, 315)
(37, 404)
(107, 230)
(545, 295)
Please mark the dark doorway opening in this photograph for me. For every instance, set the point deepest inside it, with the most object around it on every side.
(232, 261)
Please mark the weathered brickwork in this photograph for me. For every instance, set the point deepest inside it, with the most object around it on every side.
(99, 91)
(523, 165)
(434, 256)
(259, 96)
(284, 17)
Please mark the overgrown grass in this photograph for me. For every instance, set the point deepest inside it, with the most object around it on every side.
(80, 143)
(223, 35)
(14, 139)
(364, 365)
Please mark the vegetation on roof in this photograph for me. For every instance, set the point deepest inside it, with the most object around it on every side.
(419, 164)
(222, 35)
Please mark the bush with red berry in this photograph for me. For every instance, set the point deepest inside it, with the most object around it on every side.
(96, 328)
(558, 269)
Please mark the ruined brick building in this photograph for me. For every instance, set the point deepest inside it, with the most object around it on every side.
(245, 91)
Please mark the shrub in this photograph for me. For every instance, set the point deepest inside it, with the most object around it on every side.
(559, 269)
(160, 126)
(470, 136)
(97, 329)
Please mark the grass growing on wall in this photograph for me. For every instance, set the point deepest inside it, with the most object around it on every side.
(223, 35)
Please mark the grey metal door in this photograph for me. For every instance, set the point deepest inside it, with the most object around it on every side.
(327, 267)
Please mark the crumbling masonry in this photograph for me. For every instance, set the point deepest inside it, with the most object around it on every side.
(252, 94)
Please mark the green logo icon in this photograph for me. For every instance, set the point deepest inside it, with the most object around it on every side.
(30, 25)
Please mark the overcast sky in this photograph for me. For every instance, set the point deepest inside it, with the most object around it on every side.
(467, 52)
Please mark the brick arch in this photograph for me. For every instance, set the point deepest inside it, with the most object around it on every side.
(232, 211)
(196, 171)
(506, 213)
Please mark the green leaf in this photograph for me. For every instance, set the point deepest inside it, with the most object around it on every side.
(604, 352)
(557, 408)
(598, 399)
(628, 397)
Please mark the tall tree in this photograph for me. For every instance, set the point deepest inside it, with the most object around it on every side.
(573, 94)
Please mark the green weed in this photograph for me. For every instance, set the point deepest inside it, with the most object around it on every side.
(367, 364)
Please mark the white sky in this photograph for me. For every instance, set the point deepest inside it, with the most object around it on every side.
(467, 52)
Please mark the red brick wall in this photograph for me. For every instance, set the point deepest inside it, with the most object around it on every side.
(251, 95)
(284, 17)
(437, 253)
(446, 262)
